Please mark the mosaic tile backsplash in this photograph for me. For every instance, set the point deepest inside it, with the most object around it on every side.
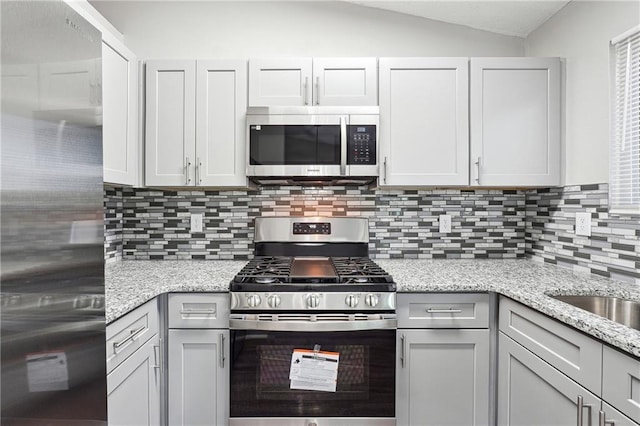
(404, 224)
(612, 250)
(142, 223)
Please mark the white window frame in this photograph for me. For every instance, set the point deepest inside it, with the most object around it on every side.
(624, 167)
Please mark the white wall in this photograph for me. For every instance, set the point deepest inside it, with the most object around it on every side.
(581, 32)
(208, 29)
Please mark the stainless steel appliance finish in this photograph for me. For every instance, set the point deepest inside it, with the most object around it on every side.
(312, 145)
(323, 421)
(51, 200)
(310, 286)
(339, 229)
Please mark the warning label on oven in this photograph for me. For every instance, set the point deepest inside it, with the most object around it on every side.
(314, 370)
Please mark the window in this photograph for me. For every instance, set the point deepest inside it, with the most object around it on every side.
(624, 177)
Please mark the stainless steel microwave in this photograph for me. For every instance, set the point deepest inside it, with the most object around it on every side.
(323, 144)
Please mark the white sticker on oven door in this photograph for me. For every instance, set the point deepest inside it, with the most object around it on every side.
(47, 372)
(314, 370)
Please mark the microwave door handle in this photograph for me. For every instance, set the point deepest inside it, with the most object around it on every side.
(343, 146)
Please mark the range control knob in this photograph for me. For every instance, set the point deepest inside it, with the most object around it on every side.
(274, 301)
(313, 301)
(253, 300)
(351, 300)
(371, 300)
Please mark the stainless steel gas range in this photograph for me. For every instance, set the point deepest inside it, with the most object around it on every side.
(313, 327)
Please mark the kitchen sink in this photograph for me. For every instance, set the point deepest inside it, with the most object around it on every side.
(622, 311)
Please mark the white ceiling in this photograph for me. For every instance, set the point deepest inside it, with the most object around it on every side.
(509, 17)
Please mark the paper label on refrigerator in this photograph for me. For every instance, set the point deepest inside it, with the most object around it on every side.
(47, 372)
(314, 370)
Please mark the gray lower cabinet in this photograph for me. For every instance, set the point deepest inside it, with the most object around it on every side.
(609, 416)
(546, 369)
(443, 377)
(443, 367)
(198, 359)
(133, 388)
(134, 368)
(198, 377)
(532, 392)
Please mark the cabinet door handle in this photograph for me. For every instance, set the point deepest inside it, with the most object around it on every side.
(198, 311)
(477, 163)
(133, 334)
(581, 407)
(384, 171)
(343, 146)
(444, 311)
(221, 346)
(602, 420)
(198, 171)
(188, 167)
(318, 90)
(402, 350)
(306, 90)
(156, 355)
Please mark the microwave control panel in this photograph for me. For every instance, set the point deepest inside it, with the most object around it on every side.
(361, 144)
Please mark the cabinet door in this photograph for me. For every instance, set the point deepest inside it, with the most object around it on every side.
(282, 81)
(614, 417)
(133, 388)
(515, 121)
(531, 392)
(424, 129)
(198, 377)
(170, 123)
(621, 382)
(345, 81)
(120, 112)
(443, 377)
(220, 134)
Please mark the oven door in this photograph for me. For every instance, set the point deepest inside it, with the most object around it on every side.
(262, 347)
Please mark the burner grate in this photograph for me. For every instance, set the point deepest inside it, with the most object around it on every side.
(266, 270)
(359, 270)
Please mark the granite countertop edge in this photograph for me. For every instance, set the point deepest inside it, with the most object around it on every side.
(129, 284)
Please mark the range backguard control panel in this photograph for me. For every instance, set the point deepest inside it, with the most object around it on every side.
(308, 228)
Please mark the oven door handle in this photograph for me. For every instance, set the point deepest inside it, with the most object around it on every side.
(313, 325)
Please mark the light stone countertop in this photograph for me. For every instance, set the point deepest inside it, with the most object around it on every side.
(131, 283)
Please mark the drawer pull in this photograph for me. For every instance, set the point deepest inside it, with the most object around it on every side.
(198, 312)
(131, 337)
(443, 311)
(602, 420)
(581, 407)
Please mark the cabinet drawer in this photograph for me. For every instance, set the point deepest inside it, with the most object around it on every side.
(621, 382)
(443, 310)
(199, 310)
(130, 332)
(576, 355)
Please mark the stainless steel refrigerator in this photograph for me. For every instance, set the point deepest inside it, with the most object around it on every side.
(52, 324)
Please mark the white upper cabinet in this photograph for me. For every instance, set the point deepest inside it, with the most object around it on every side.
(170, 123)
(283, 81)
(424, 121)
(220, 117)
(345, 81)
(515, 121)
(120, 112)
(309, 82)
(195, 123)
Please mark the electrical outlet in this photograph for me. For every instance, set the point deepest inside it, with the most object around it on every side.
(583, 224)
(445, 223)
(196, 222)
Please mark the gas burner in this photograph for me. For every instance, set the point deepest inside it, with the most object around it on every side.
(265, 280)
